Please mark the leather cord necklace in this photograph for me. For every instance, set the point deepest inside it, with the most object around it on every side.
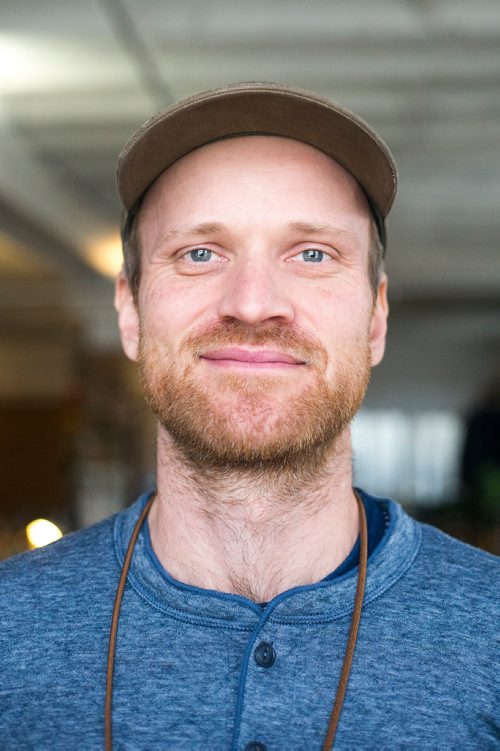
(348, 655)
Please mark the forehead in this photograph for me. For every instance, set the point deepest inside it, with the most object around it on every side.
(260, 158)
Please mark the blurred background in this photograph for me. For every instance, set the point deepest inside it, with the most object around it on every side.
(77, 78)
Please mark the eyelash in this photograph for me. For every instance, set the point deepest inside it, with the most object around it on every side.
(189, 255)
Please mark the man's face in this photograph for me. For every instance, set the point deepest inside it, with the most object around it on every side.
(255, 326)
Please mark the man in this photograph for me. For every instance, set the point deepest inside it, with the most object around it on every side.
(254, 300)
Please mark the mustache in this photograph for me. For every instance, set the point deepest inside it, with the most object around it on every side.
(290, 339)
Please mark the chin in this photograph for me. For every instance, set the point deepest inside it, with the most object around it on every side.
(233, 420)
(254, 427)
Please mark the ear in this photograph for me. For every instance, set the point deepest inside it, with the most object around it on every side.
(128, 317)
(378, 324)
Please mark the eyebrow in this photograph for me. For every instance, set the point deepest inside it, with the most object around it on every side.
(201, 230)
(213, 228)
(316, 229)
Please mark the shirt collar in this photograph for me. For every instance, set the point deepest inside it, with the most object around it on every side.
(327, 600)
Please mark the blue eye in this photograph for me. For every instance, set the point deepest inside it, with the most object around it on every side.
(313, 255)
(200, 255)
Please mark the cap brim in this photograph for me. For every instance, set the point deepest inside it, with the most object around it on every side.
(265, 109)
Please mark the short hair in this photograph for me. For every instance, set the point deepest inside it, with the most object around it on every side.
(132, 251)
(376, 256)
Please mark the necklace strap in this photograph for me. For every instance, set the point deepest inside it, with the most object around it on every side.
(353, 631)
(108, 710)
(349, 652)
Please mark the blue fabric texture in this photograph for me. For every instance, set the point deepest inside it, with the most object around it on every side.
(425, 672)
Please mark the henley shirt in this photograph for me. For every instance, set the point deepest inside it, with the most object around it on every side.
(199, 669)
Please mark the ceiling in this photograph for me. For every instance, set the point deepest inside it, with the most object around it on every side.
(76, 79)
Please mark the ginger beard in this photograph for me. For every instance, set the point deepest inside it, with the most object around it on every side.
(237, 421)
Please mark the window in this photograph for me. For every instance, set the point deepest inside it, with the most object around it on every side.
(413, 458)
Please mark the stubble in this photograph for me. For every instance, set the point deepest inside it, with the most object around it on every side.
(261, 423)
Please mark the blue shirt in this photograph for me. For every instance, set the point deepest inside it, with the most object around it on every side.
(425, 672)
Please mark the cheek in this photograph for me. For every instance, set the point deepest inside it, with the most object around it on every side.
(168, 311)
(337, 314)
(340, 323)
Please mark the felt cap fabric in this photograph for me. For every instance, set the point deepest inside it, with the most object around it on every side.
(258, 109)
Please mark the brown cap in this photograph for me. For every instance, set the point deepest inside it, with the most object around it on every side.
(264, 109)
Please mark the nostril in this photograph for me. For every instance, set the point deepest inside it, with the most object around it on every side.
(255, 303)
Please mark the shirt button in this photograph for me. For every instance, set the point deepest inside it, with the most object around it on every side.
(255, 746)
(264, 654)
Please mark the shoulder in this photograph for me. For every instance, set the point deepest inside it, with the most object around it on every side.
(42, 579)
(438, 573)
(55, 607)
(437, 555)
(440, 603)
(73, 548)
(446, 556)
(457, 583)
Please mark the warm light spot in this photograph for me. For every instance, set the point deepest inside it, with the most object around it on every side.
(17, 260)
(105, 255)
(41, 532)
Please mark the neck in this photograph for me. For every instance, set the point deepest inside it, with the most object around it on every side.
(252, 532)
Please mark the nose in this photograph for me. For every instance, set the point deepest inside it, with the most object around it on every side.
(253, 293)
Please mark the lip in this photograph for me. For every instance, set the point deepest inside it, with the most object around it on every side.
(238, 356)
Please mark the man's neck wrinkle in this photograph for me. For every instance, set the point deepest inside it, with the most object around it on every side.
(254, 535)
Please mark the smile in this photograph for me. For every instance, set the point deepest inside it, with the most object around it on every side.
(255, 358)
